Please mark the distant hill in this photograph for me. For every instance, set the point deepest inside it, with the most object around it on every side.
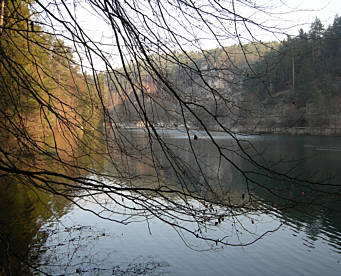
(295, 83)
(206, 80)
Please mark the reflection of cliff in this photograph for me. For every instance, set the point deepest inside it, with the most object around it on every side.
(198, 170)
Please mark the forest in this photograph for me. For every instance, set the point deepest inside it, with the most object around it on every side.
(301, 78)
(47, 101)
(291, 83)
(307, 63)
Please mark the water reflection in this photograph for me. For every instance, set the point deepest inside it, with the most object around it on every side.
(313, 209)
(25, 211)
(83, 244)
(202, 173)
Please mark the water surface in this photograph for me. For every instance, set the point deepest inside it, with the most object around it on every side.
(58, 238)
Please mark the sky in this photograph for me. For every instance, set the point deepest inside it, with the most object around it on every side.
(325, 10)
(288, 15)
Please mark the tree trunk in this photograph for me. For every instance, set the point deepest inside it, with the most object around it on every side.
(2, 14)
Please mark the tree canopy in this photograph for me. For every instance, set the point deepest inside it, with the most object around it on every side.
(314, 55)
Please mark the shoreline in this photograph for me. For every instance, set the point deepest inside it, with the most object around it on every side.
(299, 131)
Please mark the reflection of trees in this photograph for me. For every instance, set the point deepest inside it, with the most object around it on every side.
(308, 208)
(24, 211)
(29, 210)
(295, 203)
(141, 266)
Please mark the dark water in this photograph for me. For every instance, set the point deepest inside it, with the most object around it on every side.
(56, 237)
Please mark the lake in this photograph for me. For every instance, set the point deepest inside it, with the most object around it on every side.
(279, 226)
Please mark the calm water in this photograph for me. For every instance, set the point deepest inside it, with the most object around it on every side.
(58, 238)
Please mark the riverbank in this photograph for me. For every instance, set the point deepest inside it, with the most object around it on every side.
(309, 131)
(313, 131)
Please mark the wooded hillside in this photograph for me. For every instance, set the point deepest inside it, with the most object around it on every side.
(295, 83)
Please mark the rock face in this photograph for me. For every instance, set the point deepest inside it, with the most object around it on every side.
(204, 83)
(281, 114)
(216, 96)
(225, 104)
(282, 111)
(206, 95)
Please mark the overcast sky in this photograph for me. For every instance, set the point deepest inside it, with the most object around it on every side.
(286, 13)
(323, 9)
